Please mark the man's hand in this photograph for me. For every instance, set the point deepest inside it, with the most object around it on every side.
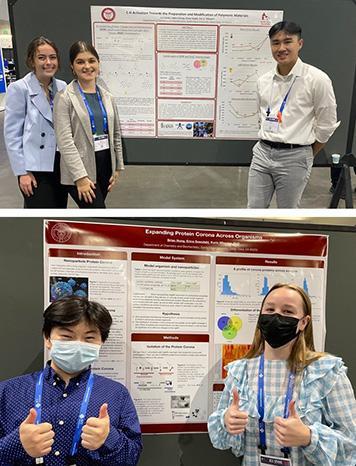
(317, 146)
(96, 429)
(291, 432)
(234, 419)
(36, 439)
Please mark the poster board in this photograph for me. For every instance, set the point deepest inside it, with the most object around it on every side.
(184, 302)
(336, 20)
(184, 73)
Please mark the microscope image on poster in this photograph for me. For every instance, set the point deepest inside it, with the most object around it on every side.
(61, 287)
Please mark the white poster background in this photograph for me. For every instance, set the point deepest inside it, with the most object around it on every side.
(148, 55)
(105, 280)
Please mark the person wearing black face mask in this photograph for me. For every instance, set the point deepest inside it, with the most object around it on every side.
(284, 403)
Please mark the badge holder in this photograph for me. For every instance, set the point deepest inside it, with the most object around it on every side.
(271, 124)
(101, 142)
(274, 461)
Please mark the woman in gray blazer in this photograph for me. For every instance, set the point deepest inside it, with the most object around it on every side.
(87, 129)
(28, 128)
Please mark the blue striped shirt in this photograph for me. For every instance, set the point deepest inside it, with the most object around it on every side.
(324, 400)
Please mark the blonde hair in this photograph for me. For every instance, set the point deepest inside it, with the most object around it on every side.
(303, 351)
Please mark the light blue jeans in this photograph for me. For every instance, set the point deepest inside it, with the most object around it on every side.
(285, 171)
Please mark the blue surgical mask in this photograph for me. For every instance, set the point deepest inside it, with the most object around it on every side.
(73, 356)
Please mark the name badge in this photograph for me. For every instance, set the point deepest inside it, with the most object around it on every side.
(271, 125)
(101, 142)
(274, 460)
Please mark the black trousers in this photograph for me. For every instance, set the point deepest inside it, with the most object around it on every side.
(49, 192)
(103, 175)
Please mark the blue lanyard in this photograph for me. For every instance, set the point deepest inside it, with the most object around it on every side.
(261, 405)
(91, 114)
(283, 104)
(51, 99)
(82, 413)
(38, 398)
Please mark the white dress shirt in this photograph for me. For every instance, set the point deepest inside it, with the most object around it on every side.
(310, 111)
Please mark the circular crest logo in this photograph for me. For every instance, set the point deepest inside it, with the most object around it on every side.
(61, 232)
(108, 14)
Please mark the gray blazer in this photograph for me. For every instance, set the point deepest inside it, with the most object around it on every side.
(74, 135)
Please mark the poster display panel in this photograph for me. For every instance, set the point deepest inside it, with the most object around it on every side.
(184, 303)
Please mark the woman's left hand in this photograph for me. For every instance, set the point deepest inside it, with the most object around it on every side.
(113, 180)
(291, 432)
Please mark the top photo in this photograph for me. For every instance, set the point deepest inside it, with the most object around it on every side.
(177, 105)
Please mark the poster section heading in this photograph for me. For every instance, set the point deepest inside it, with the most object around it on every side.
(184, 303)
(184, 73)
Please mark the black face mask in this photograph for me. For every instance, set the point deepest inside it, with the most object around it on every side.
(278, 330)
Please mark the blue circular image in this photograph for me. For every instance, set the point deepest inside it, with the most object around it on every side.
(189, 126)
(223, 322)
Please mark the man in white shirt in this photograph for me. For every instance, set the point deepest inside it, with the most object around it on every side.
(297, 113)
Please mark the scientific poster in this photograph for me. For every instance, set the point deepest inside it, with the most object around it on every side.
(184, 73)
(184, 303)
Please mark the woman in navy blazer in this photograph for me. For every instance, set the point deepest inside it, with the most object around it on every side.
(28, 129)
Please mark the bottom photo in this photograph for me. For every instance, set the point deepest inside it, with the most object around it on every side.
(178, 341)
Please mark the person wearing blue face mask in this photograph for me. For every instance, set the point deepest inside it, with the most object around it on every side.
(65, 414)
(284, 403)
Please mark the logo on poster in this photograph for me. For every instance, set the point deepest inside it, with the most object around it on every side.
(108, 14)
(61, 233)
(265, 20)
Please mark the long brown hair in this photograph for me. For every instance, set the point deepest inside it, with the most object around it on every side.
(303, 351)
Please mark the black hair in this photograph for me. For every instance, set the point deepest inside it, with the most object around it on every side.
(79, 47)
(33, 46)
(286, 26)
(72, 310)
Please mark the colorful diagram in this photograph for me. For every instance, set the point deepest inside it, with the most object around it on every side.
(226, 287)
(61, 287)
(229, 326)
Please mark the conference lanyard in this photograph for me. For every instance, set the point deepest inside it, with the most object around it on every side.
(91, 114)
(51, 99)
(261, 405)
(283, 104)
(81, 417)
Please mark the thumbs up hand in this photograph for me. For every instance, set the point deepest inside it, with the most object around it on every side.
(234, 419)
(291, 432)
(36, 439)
(96, 429)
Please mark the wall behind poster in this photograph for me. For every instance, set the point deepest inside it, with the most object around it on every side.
(21, 278)
(336, 19)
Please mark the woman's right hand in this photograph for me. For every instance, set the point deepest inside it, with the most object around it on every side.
(26, 182)
(235, 420)
(85, 187)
